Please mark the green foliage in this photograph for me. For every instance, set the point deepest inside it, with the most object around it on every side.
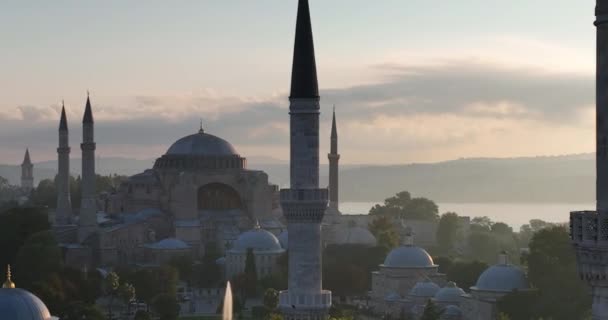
(402, 205)
(39, 257)
(487, 238)
(165, 305)
(465, 274)
(527, 231)
(271, 299)
(142, 315)
(552, 269)
(251, 274)
(447, 232)
(17, 225)
(185, 267)
(347, 268)
(519, 305)
(208, 273)
(431, 311)
(45, 194)
(383, 229)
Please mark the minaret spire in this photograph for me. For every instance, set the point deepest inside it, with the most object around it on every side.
(304, 69)
(27, 172)
(63, 213)
(334, 158)
(88, 205)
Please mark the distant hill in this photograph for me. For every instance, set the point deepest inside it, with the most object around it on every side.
(568, 178)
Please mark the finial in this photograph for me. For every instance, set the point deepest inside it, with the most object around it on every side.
(334, 108)
(200, 130)
(8, 284)
(88, 93)
(257, 224)
(62, 103)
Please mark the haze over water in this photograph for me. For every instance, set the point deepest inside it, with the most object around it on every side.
(513, 214)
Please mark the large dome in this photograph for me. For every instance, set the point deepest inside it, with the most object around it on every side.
(259, 240)
(502, 278)
(22, 305)
(202, 144)
(408, 257)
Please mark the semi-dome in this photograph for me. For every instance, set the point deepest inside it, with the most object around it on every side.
(169, 244)
(202, 144)
(450, 293)
(426, 289)
(356, 235)
(408, 257)
(284, 239)
(257, 239)
(502, 278)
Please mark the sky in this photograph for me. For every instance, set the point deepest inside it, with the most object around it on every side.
(412, 80)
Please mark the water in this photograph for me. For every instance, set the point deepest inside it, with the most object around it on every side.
(513, 214)
(227, 310)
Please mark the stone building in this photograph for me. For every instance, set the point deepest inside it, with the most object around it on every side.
(27, 173)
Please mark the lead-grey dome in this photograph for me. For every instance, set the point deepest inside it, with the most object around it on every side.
(169, 244)
(202, 144)
(259, 240)
(502, 278)
(284, 239)
(356, 235)
(425, 288)
(19, 304)
(450, 293)
(409, 257)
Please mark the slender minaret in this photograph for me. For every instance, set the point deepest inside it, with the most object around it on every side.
(588, 229)
(27, 172)
(304, 203)
(63, 214)
(333, 157)
(88, 205)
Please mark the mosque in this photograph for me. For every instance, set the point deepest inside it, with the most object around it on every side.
(21, 304)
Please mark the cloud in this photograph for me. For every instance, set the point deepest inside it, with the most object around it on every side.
(424, 112)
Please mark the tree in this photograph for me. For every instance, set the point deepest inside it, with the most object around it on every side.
(383, 229)
(127, 294)
(447, 230)
(16, 226)
(112, 283)
(39, 257)
(185, 266)
(251, 274)
(465, 273)
(79, 310)
(402, 205)
(481, 224)
(271, 300)
(166, 306)
(501, 228)
(347, 268)
(431, 311)
(142, 315)
(519, 305)
(552, 269)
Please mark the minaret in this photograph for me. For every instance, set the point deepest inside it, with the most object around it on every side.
(27, 173)
(333, 157)
(88, 205)
(63, 214)
(589, 229)
(304, 203)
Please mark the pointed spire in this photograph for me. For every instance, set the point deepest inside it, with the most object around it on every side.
(334, 135)
(201, 128)
(88, 113)
(304, 69)
(8, 284)
(63, 123)
(26, 158)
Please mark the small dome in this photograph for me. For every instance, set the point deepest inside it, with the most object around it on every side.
(220, 261)
(393, 296)
(502, 278)
(356, 235)
(22, 305)
(408, 257)
(451, 312)
(169, 244)
(449, 293)
(284, 239)
(426, 289)
(201, 144)
(257, 239)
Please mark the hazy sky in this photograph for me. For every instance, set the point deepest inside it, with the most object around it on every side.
(412, 80)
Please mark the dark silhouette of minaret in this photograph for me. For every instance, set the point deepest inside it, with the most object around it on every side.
(304, 204)
(589, 229)
(27, 172)
(63, 214)
(88, 205)
(334, 158)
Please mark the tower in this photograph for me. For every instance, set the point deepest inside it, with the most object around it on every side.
(88, 205)
(304, 203)
(333, 157)
(27, 173)
(589, 229)
(63, 213)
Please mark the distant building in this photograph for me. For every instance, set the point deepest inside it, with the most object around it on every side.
(27, 173)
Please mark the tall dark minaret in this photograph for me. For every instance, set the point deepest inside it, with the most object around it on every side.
(27, 172)
(334, 158)
(589, 229)
(63, 214)
(304, 204)
(88, 205)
